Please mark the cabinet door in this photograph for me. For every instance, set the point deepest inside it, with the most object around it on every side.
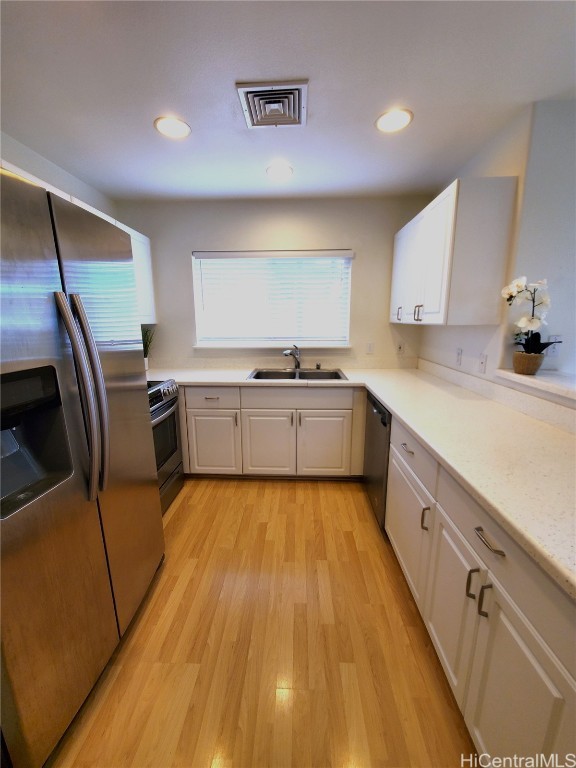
(407, 275)
(408, 523)
(435, 253)
(455, 577)
(521, 701)
(144, 279)
(269, 441)
(324, 442)
(214, 442)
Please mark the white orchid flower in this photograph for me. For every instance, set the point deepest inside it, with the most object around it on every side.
(544, 300)
(515, 287)
(527, 323)
(519, 283)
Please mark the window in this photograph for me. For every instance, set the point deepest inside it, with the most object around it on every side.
(272, 298)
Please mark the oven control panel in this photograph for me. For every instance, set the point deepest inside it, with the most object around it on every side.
(161, 392)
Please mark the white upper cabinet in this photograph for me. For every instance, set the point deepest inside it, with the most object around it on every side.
(450, 260)
(142, 258)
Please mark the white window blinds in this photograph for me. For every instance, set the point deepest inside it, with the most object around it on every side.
(272, 298)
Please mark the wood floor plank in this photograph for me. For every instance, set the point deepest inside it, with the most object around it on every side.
(278, 632)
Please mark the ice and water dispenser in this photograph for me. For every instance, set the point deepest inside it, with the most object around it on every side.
(34, 446)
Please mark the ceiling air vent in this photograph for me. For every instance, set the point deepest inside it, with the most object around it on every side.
(273, 104)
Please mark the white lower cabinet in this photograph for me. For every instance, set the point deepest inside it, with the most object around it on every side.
(503, 631)
(521, 700)
(296, 442)
(273, 430)
(323, 442)
(214, 442)
(454, 580)
(268, 442)
(214, 431)
(409, 519)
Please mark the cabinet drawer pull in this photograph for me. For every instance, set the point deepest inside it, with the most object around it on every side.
(422, 516)
(480, 533)
(211, 398)
(483, 589)
(471, 572)
(405, 448)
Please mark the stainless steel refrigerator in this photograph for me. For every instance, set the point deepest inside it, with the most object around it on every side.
(81, 527)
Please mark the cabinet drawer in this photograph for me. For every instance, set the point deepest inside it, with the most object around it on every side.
(341, 398)
(424, 466)
(212, 397)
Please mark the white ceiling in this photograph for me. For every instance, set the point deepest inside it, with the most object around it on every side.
(83, 81)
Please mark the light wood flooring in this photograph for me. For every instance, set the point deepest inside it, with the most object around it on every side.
(278, 632)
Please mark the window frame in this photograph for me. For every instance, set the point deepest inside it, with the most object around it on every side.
(205, 342)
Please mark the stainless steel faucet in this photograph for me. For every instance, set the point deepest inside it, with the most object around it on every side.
(295, 353)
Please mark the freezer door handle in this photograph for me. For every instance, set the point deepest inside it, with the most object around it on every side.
(100, 387)
(87, 389)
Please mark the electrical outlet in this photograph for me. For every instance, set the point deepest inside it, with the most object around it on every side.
(554, 349)
(370, 348)
(482, 362)
(459, 356)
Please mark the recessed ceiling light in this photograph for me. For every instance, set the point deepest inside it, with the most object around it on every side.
(172, 127)
(394, 120)
(279, 170)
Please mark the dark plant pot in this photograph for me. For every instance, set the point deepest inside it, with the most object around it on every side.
(526, 363)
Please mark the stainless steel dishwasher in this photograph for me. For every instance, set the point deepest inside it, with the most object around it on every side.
(376, 450)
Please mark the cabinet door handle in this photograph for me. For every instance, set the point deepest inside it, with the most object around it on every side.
(299, 419)
(292, 419)
(422, 516)
(481, 611)
(480, 533)
(236, 418)
(404, 447)
(399, 313)
(471, 572)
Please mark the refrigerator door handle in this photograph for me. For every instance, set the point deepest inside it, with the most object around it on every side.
(87, 386)
(99, 385)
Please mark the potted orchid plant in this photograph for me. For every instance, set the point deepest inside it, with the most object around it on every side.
(536, 296)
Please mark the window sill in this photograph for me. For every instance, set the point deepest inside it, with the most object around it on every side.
(268, 345)
(551, 385)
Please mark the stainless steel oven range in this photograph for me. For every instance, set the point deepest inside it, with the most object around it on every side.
(163, 400)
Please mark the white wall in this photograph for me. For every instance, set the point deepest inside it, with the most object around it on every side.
(365, 225)
(547, 236)
(538, 148)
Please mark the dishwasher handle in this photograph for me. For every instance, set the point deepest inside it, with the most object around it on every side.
(378, 408)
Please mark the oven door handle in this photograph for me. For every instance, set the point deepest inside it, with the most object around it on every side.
(165, 416)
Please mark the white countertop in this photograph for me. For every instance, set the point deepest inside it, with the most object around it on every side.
(522, 471)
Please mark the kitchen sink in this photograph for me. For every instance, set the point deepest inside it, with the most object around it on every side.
(273, 373)
(318, 373)
(314, 374)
